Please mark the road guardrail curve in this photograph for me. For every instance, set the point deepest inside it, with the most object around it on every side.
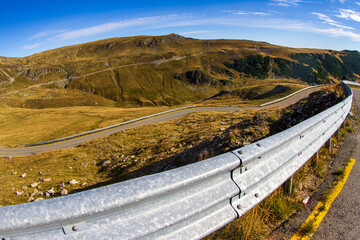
(189, 202)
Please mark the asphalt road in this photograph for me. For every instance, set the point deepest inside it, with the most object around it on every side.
(15, 152)
(342, 221)
(343, 218)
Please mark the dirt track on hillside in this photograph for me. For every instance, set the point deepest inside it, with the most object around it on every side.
(63, 81)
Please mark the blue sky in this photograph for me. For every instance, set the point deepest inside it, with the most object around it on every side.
(29, 27)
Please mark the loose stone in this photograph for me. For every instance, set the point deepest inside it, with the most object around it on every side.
(34, 184)
(63, 192)
(106, 163)
(73, 182)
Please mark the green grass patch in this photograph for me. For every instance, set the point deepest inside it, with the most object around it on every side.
(339, 173)
(308, 228)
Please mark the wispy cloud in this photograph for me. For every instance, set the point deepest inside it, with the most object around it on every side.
(293, 25)
(235, 18)
(45, 34)
(58, 37)
(341, 33)
(340, 1)
(288, 3)
(240, 12)
(106, 27)
(285, 3)
(349, 14)
(330, 21)
(31, 46)
(196, 32)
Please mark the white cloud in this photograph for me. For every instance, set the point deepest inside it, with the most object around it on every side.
(335, 32)
(57, 37)
(239, 12)
(285, 3)
(349, 14)
(106, 27)
(288, 3)
(45, 34)
(291, 25)
(196, 32)
(32, 46)
(330, 21)
(237, 18)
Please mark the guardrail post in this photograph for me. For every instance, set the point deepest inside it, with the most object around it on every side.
(328, 144)
(288, 185)
(317, 158)
(338, 134)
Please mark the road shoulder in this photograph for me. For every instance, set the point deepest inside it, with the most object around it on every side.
(342, 220)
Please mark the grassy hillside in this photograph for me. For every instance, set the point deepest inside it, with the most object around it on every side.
(23, 125)
(171, 69)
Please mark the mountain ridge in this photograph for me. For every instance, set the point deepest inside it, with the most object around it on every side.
(172, 69)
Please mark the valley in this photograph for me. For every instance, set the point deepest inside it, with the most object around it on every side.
(83, 87)
(170, 69)
(96, 84)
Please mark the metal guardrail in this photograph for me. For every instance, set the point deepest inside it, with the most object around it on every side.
(142, 118)
(106, 128)
(290, 95)
(189, 202)
(351, 83)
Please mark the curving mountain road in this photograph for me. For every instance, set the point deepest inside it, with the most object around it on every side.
(15, 152)
(343, 219)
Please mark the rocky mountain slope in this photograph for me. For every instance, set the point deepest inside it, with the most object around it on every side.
(171, 69)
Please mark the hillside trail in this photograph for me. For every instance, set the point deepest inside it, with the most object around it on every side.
(342, 221)
(162, 118)
(64, 81)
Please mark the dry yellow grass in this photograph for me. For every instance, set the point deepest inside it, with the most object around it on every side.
(132, 153)
(130, 156)
(22, 125)
(123, 69)
(259, 88)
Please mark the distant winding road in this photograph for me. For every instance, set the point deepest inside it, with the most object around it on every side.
(64, 81)
(16, 152)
